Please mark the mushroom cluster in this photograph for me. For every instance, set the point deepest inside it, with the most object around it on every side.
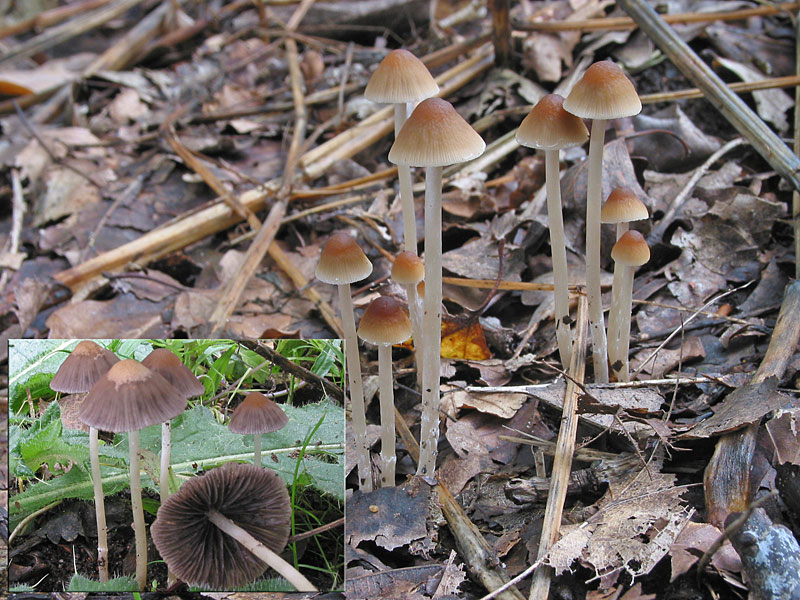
(128, 395)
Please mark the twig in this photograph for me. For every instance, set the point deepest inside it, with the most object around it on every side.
(733, 108)
(607, 24)
(677, 204)
(562, 462)
(796, 193)
(24, 523)
(298, 371)
(128, 195)
(690, 319)
(316, 531)
(18, 214)
(47, 18)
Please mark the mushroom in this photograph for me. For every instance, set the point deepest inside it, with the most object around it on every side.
(550, 128)
(87, 363)
(630, 251)
(602, 93)
(223, 529)
(385, 323)
(167, 364)
(434, 135)
(127, 398)
(257, 414)
(408, 270)
(401, 79)
(620, 208)
(341, 263)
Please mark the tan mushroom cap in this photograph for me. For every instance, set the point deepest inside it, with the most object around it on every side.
(129, 397)
(549, 127)
(342, 261)
(400, 77)
(631, 250)
(167, 364)
(408, 269)
(257, 414)
(384, 322)
(435, 135)
(623, 206)
(84, 366)
(604, 92)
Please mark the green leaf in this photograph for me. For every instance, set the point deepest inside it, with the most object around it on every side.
(79, 583)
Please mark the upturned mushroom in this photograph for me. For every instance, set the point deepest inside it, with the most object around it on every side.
(223, 529)
(620, 208)
(434, 136)
(126, 399)
(550, 128)
(402, 80)
(341, 263)
(255, 415)
(84, 366)
(167, 364)
(604, 92)
(630, 251)
(385, 323)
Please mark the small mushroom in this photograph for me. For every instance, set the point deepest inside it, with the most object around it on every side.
(385, 323)
(84, 366)
(127, 398)
(223, 529)
(167, 364)
(257, 414)
(434, 136)
(408, 270)
(341, 263)
(630, 251)
(604, 92)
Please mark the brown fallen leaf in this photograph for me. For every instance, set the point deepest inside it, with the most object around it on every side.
(464, 340)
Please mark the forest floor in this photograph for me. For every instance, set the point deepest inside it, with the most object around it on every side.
(174, 170)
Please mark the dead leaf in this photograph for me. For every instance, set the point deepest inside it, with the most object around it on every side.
(391, 516)
(463, 341)
(784, 433)
(124, 316)
(693, 541)
(668, 359)
(503, 405)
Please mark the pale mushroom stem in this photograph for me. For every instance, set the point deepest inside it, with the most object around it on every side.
(99, 506)
(626, 295)
(594, 190)
(401, 112)
(138, 512)
(559, 252)
(431, 322)
(388, 456)
(615, 315)
(166, 449)
(269, 557)
(257, 449)
(353, 368)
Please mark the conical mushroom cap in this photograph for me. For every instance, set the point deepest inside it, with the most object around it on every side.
(342, 261)
(199, 553)
(435, 135)
(129, 397)
(400, 77)
(603, 93)
(408, 269)
(623, 206)
(631, 250)
(257, 414)
(84, 366)
(384, 322)
(167, 364)
(549, 127)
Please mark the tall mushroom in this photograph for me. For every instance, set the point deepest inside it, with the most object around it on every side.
(255, 415)
(84, 366)
(602, 93)
(620, 208)
(630, 251)
(550, 128)
(401, 79)
(341, 263)
(223, 529)
(434, 136)
(385, 323)
(167, 364)
(126, 399)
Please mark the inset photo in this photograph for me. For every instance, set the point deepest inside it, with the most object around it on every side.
(181, 465)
